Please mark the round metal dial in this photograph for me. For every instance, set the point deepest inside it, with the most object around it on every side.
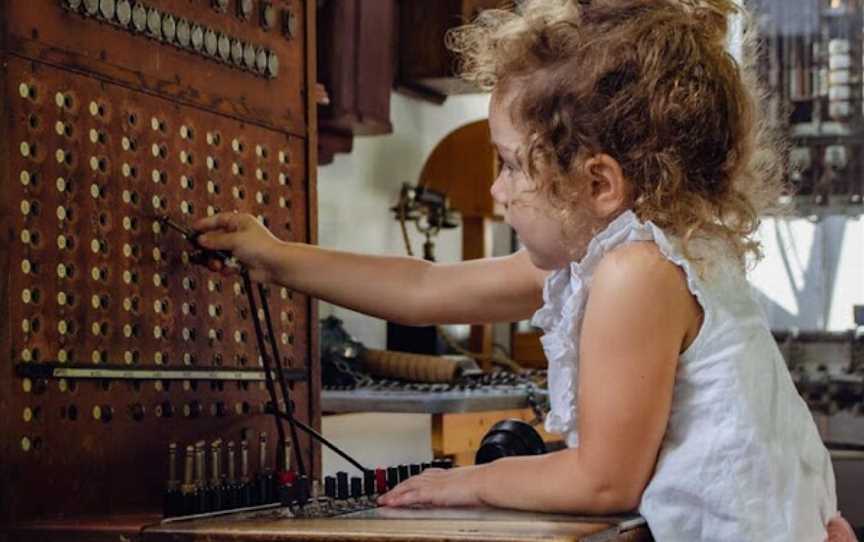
(261, 61)
(91, 7)
(184, 33)
(211, 42)
(268, 16)
(273, 65)
(139, 17)
(245, 8)
(73, 4)
(224, 47)
(220, 5)
(124, 12)
(197, 37)
(249, 56)
(289, 24)
(108, 8)
(154, 23)
(237, 51)
(169, 28)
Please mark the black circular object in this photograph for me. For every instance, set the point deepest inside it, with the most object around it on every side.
(392, 477)
(356, 487)
(342, 488)
(509, 438)
(330, 487)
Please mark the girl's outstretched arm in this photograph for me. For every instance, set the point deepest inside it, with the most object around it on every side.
(639, 318)
(404, 290)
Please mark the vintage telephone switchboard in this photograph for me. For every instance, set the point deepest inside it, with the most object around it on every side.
(114, 345)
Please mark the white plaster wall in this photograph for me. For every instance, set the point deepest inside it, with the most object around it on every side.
(356, 191)
(377, 440)
(812, 273)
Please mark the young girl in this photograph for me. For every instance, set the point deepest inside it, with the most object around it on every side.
(634, 167)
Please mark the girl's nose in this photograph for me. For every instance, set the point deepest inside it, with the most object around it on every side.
(498, 192)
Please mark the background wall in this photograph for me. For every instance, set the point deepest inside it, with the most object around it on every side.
(355, 194)
(812, 273)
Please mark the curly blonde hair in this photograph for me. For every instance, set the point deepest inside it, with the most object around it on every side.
(651, 84)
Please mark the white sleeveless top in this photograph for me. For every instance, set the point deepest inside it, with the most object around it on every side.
(741, 459)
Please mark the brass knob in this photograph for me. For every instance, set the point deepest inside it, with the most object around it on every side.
(108, 8)
(124, 12)
(184, 33)
(197, 37)
(91, 7)
(169, 28)
(154, 23)
(211, 42)
(139, 17)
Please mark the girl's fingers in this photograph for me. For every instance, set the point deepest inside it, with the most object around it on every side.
(220, 221)
(394, 493)
(408, 498)
(217, 241)
(409, 492)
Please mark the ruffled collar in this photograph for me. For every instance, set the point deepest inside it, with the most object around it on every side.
(560, 285)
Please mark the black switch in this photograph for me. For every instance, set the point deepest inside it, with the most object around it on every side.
(404, 473)
(330, 487)
(415, 469)
(287, 494)
(341, 485)
(442, 464)
(356, 487)
(303, 490)
(369, 482)
(392, 477)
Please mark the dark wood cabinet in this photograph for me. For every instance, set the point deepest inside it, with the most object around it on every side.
(426, 67)
(368, 47)
(356, 65)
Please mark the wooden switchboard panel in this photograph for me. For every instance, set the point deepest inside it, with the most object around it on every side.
(114, 113)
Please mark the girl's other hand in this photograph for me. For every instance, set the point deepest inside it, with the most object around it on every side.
(244, 237)
(437, 487)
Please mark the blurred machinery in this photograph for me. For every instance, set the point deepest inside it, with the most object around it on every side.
(812, 62)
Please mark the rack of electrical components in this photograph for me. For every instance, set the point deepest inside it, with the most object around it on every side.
(811, 63)
(115, 345)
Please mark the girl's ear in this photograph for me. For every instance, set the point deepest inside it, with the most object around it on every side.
(609, 191)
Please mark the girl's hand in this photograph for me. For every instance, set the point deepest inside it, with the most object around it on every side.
(437, 487)
(244, 237)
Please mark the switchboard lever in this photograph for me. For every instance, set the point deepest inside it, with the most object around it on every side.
(232, 484)
(173, 504)
(203, 504)
(189, 488)
(245, 482)
(217, 489)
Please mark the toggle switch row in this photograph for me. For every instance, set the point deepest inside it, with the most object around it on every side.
(225, 491)
(187, 35)
(225, 488)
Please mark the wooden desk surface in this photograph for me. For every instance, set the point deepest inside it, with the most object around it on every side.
(404, 526)
(395, 525)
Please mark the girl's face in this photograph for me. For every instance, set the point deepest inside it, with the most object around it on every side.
(527, 212)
